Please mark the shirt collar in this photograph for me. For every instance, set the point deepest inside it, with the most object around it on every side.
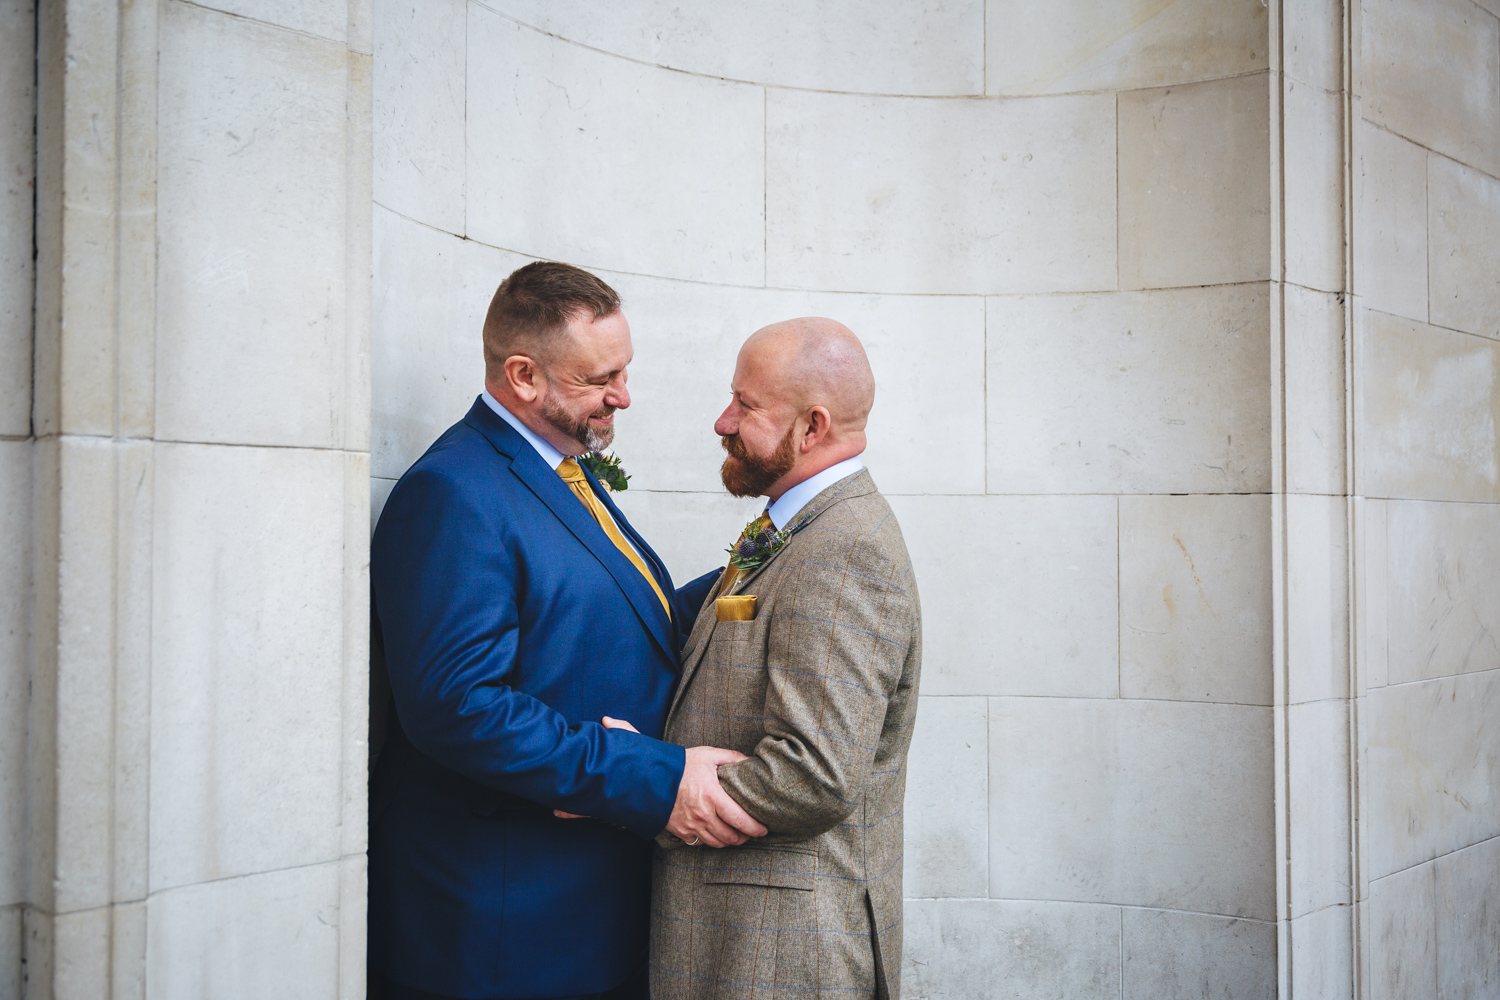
(549, 454)
(793, 500)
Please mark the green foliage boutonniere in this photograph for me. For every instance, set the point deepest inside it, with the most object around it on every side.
(606, 469)
(760, 541)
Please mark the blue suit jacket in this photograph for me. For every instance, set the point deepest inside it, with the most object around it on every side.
(510, 624)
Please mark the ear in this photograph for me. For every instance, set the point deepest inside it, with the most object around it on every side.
(818, 423)
(522, 374)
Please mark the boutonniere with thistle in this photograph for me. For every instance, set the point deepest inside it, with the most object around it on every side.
(760, 541)
(606, 469)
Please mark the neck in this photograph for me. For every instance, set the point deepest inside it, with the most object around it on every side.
(530, 414)
(813, 463)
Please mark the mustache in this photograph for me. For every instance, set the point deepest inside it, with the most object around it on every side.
(734, 446)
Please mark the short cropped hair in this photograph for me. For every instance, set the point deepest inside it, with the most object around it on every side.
(531, 308)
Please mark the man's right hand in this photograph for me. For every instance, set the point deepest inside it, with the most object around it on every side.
(704, 812)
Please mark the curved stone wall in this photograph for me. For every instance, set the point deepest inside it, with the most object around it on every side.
(1052, 228)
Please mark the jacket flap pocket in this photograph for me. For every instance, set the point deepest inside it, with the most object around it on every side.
(759, 866)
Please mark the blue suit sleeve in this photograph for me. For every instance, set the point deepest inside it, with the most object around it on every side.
(444, 584)
(690, 597)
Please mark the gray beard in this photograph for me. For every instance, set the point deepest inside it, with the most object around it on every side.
(580, 431)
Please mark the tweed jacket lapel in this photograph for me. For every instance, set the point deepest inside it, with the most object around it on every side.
(857, 485)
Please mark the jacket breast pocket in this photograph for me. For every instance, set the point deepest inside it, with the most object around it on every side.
(735, 608)
(760, 866)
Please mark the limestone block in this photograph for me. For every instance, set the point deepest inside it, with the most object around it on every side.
(269, 935)
(1390, 263)
(1323, 953)
(427, 362)
(354, 893)
(1426, 411)
(1433, 748)
(83, 713)
(1443, 594)
(102, 681)
(890, 194)
(926, 433)
(1196, 955)
(581, 156)
(17, 192)
(1468, 922)
(1318, 809)
(78, 177)
(10, 949)
(975, 949)
(1430, 71)
(1313, 383)
(1195, 184)
(1403, 936)
(1317, 604)
(249, 607)
(251, 331)
(1141, 803)
(947, 801)
(1018, 593)
(1312, 40)
(354, 694)
(843, 45)
(1372, 563)
(1463, 253)
(1313, 193)
(1077, 45)
(1155, 392)
(15, 605)
(419, 110)
(689, 531)
(1195, 598)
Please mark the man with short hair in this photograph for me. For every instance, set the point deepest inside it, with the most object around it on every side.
(515, 606)
(805, 658)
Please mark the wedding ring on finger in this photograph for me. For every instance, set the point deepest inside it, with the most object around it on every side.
(693, 842)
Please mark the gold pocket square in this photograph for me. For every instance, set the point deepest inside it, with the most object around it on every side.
(738, 608)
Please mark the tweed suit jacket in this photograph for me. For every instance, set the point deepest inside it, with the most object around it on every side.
(820, 690)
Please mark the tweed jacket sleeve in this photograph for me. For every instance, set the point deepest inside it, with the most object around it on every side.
(832, 669)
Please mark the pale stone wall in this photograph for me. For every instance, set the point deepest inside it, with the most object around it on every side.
(1053, 226)
(1185, 317)
(191, 474)
(1426, 150)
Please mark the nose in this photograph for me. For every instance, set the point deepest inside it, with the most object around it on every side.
(728, 422)
(617, 395)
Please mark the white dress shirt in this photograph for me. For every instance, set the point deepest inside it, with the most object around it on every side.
(793, 500)
(549, 454)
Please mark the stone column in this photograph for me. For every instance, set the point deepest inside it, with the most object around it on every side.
(198, 449)
(1311, 507)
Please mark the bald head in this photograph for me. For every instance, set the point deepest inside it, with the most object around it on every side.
(813, 361)
(803, 390)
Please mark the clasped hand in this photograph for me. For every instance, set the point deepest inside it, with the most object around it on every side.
(704, 813)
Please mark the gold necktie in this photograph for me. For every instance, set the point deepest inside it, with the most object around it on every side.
(573, 476)
(732, 572)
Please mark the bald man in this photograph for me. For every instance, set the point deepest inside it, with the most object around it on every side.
(805, 658)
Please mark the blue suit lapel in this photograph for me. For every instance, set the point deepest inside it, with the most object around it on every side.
(653, 562)
(550, 489)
